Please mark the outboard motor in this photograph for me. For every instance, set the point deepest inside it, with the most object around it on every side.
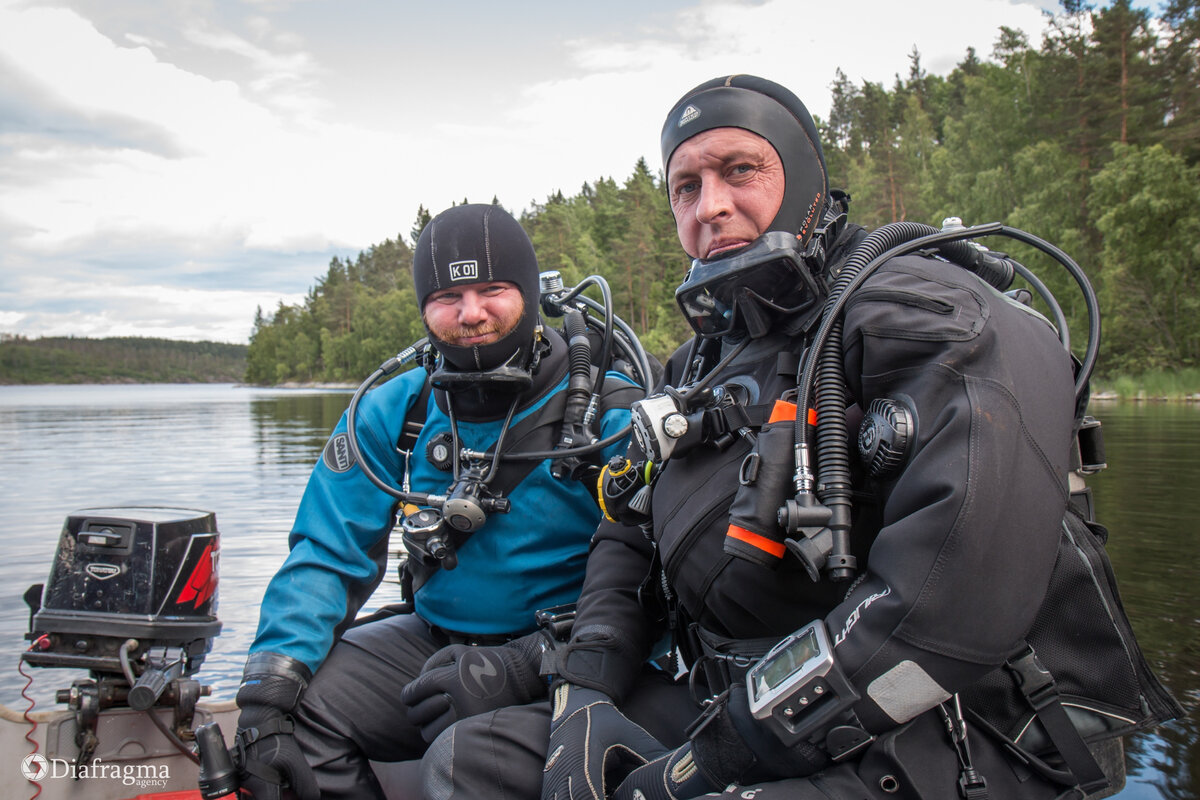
(132, 598)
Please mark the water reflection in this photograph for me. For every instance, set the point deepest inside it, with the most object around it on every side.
(242, 453)
(1149, 499)
(246, 454)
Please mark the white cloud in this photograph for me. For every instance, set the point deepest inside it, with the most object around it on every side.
(239, 152)
(106, 309)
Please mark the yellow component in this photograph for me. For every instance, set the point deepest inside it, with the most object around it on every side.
(624, 468)
(600, 486)
(409, 509)
(600, 495)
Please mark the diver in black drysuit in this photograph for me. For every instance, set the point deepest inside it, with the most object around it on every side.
(966, 553)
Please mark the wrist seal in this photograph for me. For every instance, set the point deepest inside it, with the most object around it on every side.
(598, 657)
(273, 679)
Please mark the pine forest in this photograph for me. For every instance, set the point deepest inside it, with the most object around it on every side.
(1088, 139)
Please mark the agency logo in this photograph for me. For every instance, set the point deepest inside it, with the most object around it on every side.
(34, 767)
(464, 270)
(690, 114)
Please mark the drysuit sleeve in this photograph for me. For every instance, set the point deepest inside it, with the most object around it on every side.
(970, 522)
(612, 634)
(338, 543)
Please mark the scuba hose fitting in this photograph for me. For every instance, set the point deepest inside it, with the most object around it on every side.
(822, 379)
(814, 523)
(433, 525)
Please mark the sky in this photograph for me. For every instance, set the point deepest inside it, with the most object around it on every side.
(169, 166)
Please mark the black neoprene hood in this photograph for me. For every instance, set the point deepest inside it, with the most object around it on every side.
(477, 243)
(774, 113)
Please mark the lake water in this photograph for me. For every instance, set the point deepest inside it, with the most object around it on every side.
(245, 454)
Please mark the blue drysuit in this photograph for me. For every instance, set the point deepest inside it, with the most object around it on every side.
(532, 557)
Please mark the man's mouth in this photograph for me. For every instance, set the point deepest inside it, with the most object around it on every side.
(724, 245)
(468, 341)
(469, 338)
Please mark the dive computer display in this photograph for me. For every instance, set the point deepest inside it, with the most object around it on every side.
(797, 687)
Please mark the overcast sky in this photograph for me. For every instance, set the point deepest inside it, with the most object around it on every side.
(168, 165)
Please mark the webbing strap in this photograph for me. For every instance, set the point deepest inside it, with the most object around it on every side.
(414, 420)
(1037, 685)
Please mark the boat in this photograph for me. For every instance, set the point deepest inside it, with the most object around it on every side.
(131, 598)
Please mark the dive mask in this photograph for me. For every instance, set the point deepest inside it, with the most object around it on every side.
(515, 375)
(768, 280)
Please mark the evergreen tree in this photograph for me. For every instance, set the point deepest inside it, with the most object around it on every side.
(1180, 57)
(1146, 204)
(1025, 137)
(423, 219)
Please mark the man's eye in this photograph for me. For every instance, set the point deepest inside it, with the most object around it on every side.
(686, 188)
(446, 299)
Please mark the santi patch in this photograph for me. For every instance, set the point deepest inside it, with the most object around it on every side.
(464, 270)
(337, 455)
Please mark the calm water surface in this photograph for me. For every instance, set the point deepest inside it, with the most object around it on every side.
(242, 453)
(246, 453)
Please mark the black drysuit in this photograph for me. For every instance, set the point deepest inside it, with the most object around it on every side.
(955, 551)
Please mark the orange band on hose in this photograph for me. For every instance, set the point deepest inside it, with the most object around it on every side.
(782, 410)
(754, 540)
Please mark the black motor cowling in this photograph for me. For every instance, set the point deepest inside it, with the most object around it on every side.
(142, 573)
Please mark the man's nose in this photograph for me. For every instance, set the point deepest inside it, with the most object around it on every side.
(714, 201)
(471, 310)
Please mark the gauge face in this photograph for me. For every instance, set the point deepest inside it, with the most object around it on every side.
(791, 666)
(787, 662)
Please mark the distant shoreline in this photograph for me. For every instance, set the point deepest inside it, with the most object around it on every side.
(1105, 396)
(308, 385)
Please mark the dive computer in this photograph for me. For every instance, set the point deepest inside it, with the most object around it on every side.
(797, 688)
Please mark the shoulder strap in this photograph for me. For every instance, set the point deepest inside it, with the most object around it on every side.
(414, 420)
(618, 393)
(535, 432)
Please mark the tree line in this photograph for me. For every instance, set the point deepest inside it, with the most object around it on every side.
(1088, 139)
(119, 359)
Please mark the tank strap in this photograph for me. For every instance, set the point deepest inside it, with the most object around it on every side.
(1037, 685)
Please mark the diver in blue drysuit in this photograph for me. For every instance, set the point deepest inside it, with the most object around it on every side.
(320, 698)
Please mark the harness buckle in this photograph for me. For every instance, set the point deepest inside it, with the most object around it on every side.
(1033, 679)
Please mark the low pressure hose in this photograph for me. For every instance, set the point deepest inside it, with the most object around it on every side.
(579, 352)
(831, 449)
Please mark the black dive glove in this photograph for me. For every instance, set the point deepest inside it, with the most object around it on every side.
(592, 746)
(727, 746)
(269, 759)
(461, 681)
